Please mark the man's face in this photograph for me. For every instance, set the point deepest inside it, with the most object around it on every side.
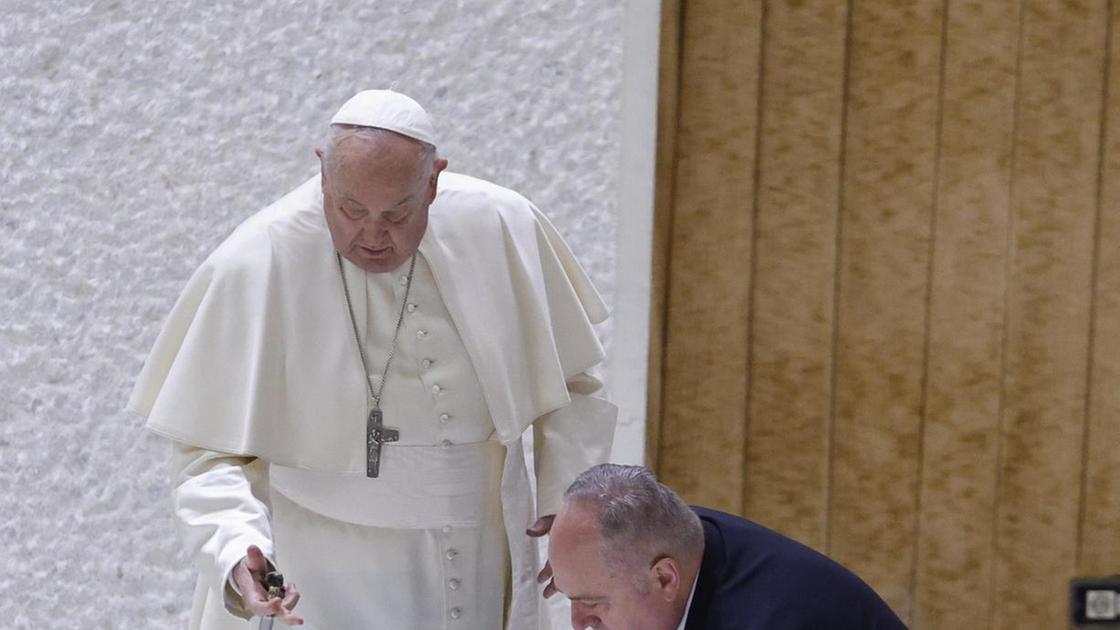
(602, 597)
(376, 195)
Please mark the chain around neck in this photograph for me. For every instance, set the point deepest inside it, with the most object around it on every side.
(375, 396)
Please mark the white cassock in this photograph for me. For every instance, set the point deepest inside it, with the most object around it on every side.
(256, 377)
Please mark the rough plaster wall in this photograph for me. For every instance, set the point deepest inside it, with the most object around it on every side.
(134, 135)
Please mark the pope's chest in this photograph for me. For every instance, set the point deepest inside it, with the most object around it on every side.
(417, 363)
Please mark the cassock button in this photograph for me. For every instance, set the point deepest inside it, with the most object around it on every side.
(412, 307)
(456, 613)
(447, 529)
(404, 281)
(420, 334)
(453, 584)
(451, 554)
(436, 389)
(445, 443)
(445, 418)
(426, 363)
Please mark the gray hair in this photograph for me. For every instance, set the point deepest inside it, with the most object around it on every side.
(338, 132)
(640, 518)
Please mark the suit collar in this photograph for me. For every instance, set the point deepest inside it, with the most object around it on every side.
(708, 579)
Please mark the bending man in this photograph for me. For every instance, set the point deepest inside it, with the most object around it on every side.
(629, 553)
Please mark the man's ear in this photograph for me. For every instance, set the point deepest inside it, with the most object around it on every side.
(319, 153)
(433, 181)
(665, 578)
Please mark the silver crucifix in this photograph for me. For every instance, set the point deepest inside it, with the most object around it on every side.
(376, 435)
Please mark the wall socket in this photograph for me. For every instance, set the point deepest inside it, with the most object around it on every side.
(1095, 602)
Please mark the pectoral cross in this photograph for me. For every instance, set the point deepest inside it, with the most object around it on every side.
(376, 435)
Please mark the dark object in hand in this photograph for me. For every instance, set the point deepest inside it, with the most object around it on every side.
(274, 582)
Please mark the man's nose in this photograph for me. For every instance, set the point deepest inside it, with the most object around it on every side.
(374, 228)
(582, 620)
(374, 223)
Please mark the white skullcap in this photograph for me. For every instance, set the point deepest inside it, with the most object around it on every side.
(386, 109)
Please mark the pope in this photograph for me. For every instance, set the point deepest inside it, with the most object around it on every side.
(347, 382)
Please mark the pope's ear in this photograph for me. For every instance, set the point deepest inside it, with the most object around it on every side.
(433, 181)
(319, 153)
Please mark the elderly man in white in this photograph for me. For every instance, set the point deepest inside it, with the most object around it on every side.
(346, 382)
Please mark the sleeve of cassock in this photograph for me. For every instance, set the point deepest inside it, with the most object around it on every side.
(220, 508)
(571, 439)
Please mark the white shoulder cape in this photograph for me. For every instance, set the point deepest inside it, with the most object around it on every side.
(257, 356)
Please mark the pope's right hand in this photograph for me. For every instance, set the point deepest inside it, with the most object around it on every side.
(248, 575)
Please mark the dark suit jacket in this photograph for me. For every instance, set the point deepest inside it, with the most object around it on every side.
(752, 578)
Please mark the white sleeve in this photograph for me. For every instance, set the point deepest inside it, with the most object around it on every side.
(570, 440)
(221, 507)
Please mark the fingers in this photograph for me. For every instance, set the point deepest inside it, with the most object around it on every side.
(257, 601)
(248, 575)
(279, 609)
(541, 527)
(255, 560)
(545, 574)
(252, 592)
(550, 590)
(291, 597)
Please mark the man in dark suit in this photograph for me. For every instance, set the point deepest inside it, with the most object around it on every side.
(630, 555)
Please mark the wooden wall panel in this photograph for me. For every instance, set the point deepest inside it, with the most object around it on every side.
(884, 271)
(953, 572)
(1054, 206)
(795, 243)
(889, 278)
(705, 364)
(1099, 552)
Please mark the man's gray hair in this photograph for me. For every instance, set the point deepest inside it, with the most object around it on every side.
(640, 518)
(339, 132)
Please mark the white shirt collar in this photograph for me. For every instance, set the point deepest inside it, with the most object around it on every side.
(688, 606)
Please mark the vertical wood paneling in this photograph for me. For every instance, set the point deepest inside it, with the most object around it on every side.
(791, 371)
(705, 369)
(954, 560)
(1100, 541)
(884, 269)
(1054, 209)
(954, 198)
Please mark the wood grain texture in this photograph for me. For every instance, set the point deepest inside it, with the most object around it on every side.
(901, 344)
(1100, 540)
(1054, 210)
(795, 247)
(668, 111)
(953, 574)
(705, 369)
(884, 269)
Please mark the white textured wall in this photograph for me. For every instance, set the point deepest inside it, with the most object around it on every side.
(135, 134)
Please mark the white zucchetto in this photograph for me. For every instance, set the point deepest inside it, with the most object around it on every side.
(386, 109)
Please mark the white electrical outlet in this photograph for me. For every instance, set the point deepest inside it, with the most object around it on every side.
(1095, 602)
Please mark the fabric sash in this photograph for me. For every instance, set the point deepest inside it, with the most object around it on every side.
(420, 487)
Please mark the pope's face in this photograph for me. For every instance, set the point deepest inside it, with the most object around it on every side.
(602, 597)
(376, 194)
